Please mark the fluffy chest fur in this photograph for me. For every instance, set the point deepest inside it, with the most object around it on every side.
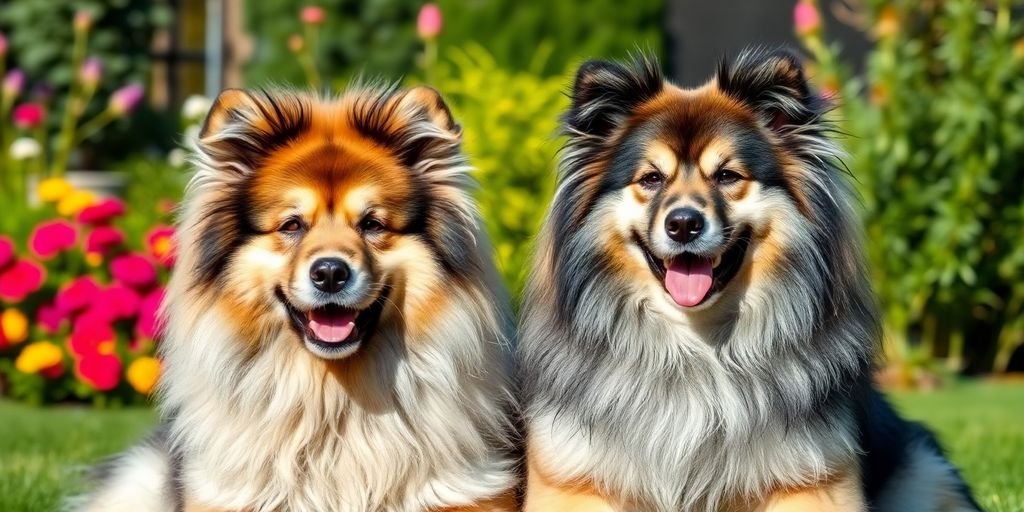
(653, 414)
(411, 429)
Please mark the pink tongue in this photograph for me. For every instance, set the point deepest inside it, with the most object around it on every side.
(332, 327)
(688, 279)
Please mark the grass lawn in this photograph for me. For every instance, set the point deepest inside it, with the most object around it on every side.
(981, 425)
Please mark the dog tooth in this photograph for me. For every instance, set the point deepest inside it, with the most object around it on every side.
(717, 262)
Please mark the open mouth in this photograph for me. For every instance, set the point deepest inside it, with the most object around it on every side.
(333, 329)
(690, 278)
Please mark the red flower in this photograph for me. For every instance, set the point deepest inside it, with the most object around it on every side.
(133, 270)
(101, 212)
(50, 238)
(119, 301)
(160, 241)
(149, 324)
(100, 370)
(20, 279)
(28, 115)
(90, 332)
(76, 295)
(103, 238)
(6, 251)
(50, 318)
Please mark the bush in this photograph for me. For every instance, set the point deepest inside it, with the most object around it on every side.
(509, 121)
(936, 148)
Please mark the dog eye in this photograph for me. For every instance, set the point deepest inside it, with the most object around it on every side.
(291, 226)
(371, 225)
(725, 177)
(652, 179)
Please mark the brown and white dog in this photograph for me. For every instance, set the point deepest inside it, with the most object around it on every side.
(699, 330)
(337, 336)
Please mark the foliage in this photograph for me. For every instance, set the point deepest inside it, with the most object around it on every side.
(936, 150)
(511, 31)
(122, 35)
(509, 123)
(375, 37)
(378, 37)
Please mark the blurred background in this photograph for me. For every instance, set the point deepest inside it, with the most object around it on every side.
(98, 98)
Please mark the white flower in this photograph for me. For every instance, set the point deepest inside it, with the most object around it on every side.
(177, 157)
(195, 107)
(25, 148)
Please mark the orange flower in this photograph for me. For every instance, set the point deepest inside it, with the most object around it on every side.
(888, 23)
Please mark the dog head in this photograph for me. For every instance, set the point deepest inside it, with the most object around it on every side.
(686, 197)
(321, 217)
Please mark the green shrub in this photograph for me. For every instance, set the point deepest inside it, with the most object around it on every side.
(936, 150)
(509, 121)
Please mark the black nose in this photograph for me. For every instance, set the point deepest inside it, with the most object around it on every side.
(329, 274)
(684, 224)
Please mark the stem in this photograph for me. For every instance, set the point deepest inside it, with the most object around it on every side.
(93, 126)
(429, 59)
(308, 58)
(73, 108)
(3, 133)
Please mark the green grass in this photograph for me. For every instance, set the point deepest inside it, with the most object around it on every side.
(42, 450)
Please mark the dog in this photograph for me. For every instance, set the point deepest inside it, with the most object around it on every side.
(699, 330)
(337, 337)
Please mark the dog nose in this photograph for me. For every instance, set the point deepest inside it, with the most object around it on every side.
(329, 274)
(684, 224)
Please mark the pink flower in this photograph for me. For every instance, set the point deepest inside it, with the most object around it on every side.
(312, 15)
(13, 83)
(428, 23)
(91, 72)
(806, 18)
(76, 295)
(28, 115)
(101, 212)
(102, 239)
(89, 333)
(125, 99)
(50, 318)
(121, 302)
(21, 279)
(100, 371)
(50, 238)
(160, 241)
(3, 44)
(6, 251)
(149, 325)
(133, 270)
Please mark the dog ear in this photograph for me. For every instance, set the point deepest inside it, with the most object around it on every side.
(604, 93)
(425, 102)
(773, 83)
(245, 126)
(227, 107)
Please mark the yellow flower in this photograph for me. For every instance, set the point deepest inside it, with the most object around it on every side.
(15, 326)
(143, 374)
(52, 190)
(38, 356)
(75, 202)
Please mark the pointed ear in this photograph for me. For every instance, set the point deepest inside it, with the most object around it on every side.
(604, 93)
(427, 103)
(228, 105)
(773, 83)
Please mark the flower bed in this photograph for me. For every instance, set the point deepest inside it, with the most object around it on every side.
(80, 302)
